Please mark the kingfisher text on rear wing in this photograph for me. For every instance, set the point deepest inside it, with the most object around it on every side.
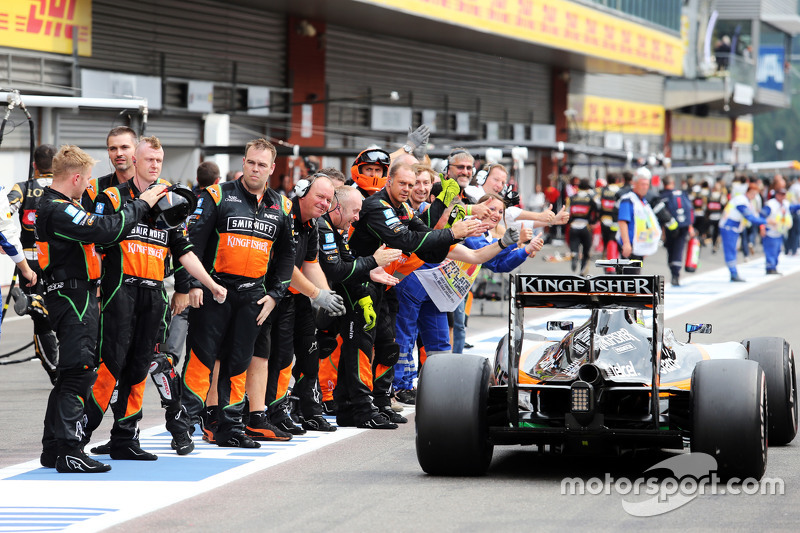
(617, 291)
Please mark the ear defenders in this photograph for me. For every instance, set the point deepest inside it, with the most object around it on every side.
(304, 185)
(483, 173)
(453, 154)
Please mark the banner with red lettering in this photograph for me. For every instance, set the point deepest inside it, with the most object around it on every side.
(47, 25)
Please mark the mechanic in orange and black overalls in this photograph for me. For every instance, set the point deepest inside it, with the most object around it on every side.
(386, 218)
(65, 234)
(291, 334)
(134, 307)
(242, 230)
(582, 214)
(24, 198)
(120, 143)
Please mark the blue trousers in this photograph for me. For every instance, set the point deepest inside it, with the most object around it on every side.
(772, 249)
(417, 314)
(730, 239)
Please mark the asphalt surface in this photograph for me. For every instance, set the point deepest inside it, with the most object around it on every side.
(372, 481)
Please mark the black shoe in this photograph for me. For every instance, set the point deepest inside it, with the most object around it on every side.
(132, 452)
(675, 281)
(259, 428)
(209, 424)
(318, 423)
(378, 421)
(285, 424)
(408, 396)
(468, 346)
(182, 443)
(102, 449)
(736, 278)
(329, 407)
(77, 462)
(293, 408)
(773, 272)
(345, 419)
(48, 459)
(239, 440)
(397, 418)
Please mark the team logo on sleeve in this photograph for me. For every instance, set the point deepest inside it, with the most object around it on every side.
(99, 208)
(329, 243)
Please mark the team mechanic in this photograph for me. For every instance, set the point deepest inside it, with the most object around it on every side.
(24, 198)
(134, 307)
(386, 218)
(347, 274)
(65, 237)
(290, 333)
(120, 145)
(242, 230)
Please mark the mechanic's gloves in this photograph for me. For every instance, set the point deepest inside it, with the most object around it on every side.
(509, 237)
(510, 196)
(458, 213)
(370, 316)
(418, 140)
(450, 190)
(331, 302)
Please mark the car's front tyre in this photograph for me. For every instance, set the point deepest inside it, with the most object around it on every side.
(777, 359)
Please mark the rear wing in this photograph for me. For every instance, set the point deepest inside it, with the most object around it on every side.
(593, 292)
(619, 291)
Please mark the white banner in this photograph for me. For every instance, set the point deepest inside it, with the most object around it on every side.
(448, 283)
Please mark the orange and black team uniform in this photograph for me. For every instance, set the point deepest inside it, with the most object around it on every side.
(347, 275)
(65, 234)
(288, 332)
(96, 186)
(245, 243)
(134, 308)
(398, 227)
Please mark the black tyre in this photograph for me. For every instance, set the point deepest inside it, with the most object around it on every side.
(451, 417)
(777, 359)
(729, 413)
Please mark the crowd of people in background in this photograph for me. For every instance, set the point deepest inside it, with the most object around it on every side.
(294, 300)
(633, 216)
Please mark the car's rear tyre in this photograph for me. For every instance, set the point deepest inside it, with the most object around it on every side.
(451, 416)
(777, 359)
(729, 414)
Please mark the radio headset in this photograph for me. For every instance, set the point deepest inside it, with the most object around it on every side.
(451, 156)
(302, 187)
(483, 173)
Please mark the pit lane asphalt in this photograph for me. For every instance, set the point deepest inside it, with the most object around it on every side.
(372, 481)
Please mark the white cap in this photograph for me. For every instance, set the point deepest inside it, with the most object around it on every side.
(643, 173)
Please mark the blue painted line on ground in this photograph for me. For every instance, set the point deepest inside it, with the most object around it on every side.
(169, 469)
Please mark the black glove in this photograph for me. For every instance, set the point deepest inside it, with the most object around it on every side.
(510, 196)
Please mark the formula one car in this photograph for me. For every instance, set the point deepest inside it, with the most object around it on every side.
(593, 390)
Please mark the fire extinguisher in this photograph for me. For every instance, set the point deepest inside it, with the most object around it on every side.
(612, 252)
(692, 255)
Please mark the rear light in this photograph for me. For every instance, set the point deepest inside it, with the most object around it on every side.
(582, 397)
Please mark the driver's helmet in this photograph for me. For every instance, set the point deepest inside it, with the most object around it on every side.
(371, 156)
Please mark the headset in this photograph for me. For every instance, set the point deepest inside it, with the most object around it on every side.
(454, 153)
(304, 185)
(483, 173)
